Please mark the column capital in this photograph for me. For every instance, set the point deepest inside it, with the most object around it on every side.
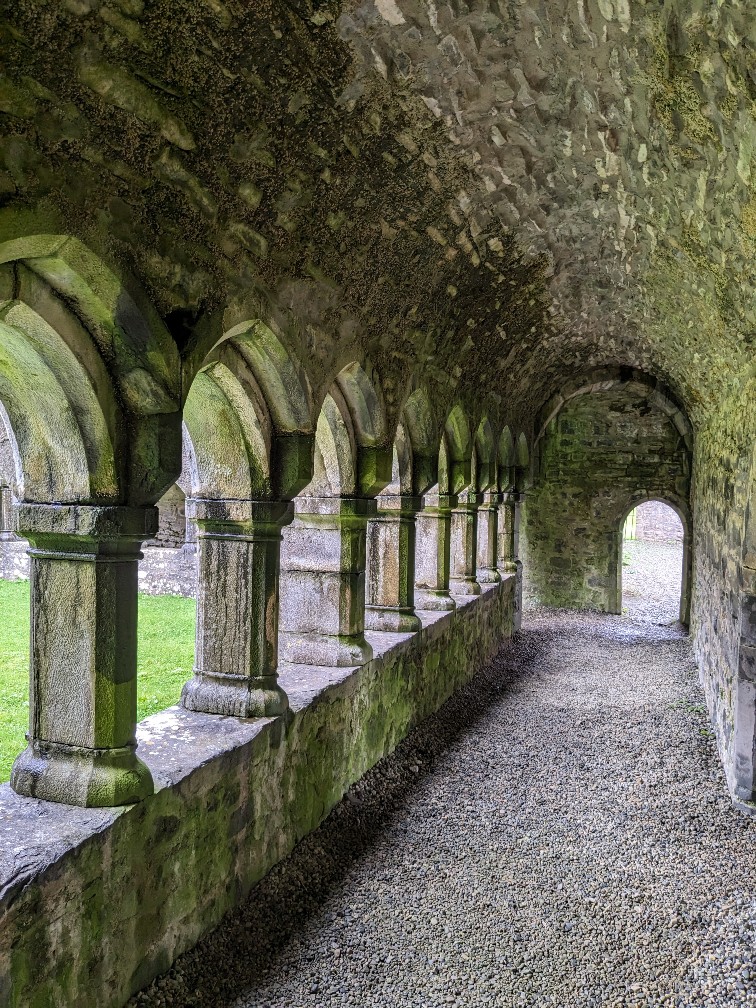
(489, 498)
(358, 509)
(467, 500)
(238, 517)
(59, 524)
(396, 505)
(439, 503)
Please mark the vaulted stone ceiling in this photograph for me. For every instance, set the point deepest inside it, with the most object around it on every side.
(496, 194)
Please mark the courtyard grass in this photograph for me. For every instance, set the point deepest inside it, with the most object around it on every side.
(164, 661)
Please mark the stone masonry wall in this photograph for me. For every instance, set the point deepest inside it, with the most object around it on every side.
(601, 454)
(725, 471)
(232, 797)
(161, 571)
(656, 522)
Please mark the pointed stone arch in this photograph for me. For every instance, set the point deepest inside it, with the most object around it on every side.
(87, 347)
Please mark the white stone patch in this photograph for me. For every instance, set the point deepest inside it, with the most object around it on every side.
(389, 11)
(616, 10)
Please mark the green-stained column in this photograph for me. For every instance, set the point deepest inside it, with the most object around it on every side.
(464, 545)
(509, 533)
(83, 655)
(6, 514)
(236, 649)
(432, 553)
(488, 516)
(391, 565)
(323, 582)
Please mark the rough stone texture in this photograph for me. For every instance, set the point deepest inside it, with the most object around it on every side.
(168, 571)
(557, 836)
(161, 571)
(656, 522)
(171, 521)
(232, 798)
(723, 547)
(603, 453)
(230, 214)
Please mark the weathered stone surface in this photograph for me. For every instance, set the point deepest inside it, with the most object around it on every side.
(604, 452)
(231, 798)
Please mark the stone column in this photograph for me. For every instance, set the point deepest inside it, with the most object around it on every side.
(464, 545)
(488, 514)
(432, 552)
(323, 583)
(83, 656)
(236, 649)
(6, 515)
(509, 534)
(391, 565)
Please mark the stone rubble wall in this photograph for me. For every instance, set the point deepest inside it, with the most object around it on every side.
(725, 471)
(161, 572)
(600, 453)
(656, 522)
(232, 798)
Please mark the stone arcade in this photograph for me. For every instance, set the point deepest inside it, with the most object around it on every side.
(368, 279)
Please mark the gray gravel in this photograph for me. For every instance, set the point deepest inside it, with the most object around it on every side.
(651, 580)
(559, 834)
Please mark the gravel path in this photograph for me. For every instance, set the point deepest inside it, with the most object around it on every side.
(557, 835)
(651, 580)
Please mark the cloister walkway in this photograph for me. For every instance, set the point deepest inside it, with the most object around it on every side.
(559, 834)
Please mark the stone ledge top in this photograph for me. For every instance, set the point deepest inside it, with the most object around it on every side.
(35, 834)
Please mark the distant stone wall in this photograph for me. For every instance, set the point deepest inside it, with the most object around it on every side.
(656, 522)
(161, 572)
(597, 456)
(172, 521)
(168, 571)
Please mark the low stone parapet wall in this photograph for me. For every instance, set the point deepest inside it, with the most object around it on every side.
(95, 903)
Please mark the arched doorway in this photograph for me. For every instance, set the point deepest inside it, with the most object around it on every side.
(653, 569)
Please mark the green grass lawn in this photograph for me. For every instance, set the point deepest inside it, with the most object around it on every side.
(165, 659)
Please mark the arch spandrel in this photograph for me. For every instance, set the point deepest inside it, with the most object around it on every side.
(362, 400)
(43, 376)
(506, 460)
(459, 449)
(228, 460)
(278, 373)
(486, 456)
(335, 473)
(421, 429)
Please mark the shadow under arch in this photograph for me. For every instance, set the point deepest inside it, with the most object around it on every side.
(486, 475)
(506, 460)
(457, 446)
(682, 510)
(421, 429)
(603, 379)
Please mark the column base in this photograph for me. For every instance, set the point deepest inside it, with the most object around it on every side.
(234, 696)
(392, 620)
(510, 567)
(89, 778)
(434, 601)
(488, 575)
(324, 649)
(464, 586)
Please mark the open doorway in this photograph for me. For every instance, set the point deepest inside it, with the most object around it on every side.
(653, 572)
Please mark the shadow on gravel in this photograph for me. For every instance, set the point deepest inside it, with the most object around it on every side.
(252, 936)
